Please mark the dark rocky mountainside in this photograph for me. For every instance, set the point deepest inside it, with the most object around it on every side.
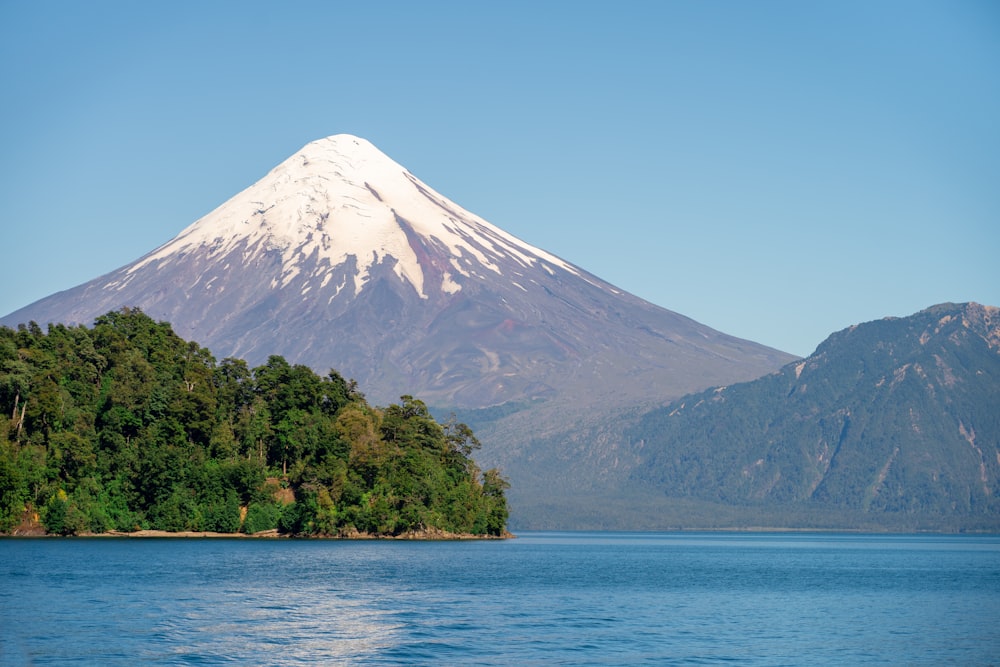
(892, 423)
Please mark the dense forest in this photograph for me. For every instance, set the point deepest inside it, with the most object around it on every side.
(126, 426)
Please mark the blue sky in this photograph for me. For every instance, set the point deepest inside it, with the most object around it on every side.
(776, 170)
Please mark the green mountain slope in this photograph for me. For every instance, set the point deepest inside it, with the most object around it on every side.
(893, 423)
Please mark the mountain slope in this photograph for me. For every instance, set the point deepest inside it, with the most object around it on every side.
(339, 257)
(896, 420)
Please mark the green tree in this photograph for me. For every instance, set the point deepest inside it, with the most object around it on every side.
(126, 425)
(12, 491)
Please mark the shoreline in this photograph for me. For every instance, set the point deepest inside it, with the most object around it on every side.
(273, 534)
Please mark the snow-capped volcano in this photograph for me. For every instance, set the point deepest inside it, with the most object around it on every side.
(340, 258)
(341, 200)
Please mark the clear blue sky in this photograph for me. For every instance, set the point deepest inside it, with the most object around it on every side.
(776, 170)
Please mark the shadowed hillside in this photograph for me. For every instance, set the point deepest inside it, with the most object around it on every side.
(894, 422)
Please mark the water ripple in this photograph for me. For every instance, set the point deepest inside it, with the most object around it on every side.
(538, 600)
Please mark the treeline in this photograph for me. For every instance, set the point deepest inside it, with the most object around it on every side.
(125, 426)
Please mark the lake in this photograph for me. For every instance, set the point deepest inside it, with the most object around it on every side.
(541, 599)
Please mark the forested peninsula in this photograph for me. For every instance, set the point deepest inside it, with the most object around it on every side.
(125, 426)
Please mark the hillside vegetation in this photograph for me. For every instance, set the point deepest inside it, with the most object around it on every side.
(125, 426)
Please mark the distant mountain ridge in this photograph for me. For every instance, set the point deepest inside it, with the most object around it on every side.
(894, 422)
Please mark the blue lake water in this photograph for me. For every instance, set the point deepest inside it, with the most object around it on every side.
(541, 599)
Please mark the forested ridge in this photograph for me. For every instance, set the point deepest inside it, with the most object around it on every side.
(125, 426)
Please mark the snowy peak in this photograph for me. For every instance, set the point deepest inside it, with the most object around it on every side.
(346, 206)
